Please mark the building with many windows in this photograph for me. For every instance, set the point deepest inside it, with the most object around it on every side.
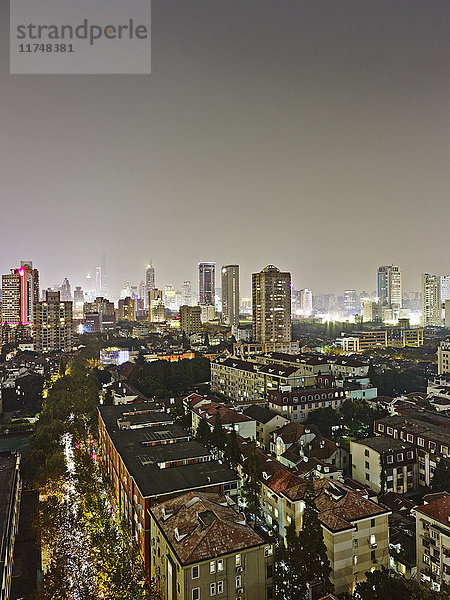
(433, 542)
(190, 319)
(271, 305)
(389, 283)
(444, 357)
(431, 300)
(230, 296)
(202, 548)
(207, 283)
(53, 324)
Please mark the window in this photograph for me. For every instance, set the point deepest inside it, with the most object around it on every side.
(372, 539)
(238, 560)
(400, 457)
(367, 477)
(409, 437)
(410, 454)
(366, 452)
(276, 513)
(389, 430)
(238, 581)
(268, 551)
(195, 572)
(380, 427)
(372, 554)
(355, 543)
(212, 589)
(367, 464)
(220, 565)
(196, 594)
(355, 559)
(420, 441)
(432, 446)
(212, 567)
(389, 459)
(372, 522)
(220, 587)
(269, 571)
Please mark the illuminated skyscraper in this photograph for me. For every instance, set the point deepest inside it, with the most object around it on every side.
(206, 282)
(389, 280)
(230, 296)
(186, 294)
(156, 306)
(431, 300)
(271, 303)
(149, 282)
(20, 292)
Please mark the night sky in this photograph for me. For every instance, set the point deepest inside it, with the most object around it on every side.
(311, 135)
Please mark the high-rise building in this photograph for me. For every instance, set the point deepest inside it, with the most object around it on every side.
(351, 300)
(66, 291)
(78, 302)
(431, 300)
(206, 282)
(156, 306)
(149, 282)
(271, 303)
(186, 293)
(171, 298)
(389, 279)
(53, 324)
(190, 321)
(20, 292)
(230, 296)
(127, 309)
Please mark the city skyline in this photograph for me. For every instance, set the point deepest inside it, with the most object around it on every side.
(326, 125)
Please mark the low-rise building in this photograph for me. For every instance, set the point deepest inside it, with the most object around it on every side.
(444, 353)
(244, 425)
(433, 542)
(385, 464)
(297, 404)
(149, 458)
(202, 548)
(267, 421)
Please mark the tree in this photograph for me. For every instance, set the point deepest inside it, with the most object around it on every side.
(290, 575)
(203, 434)
(441, 477)
(232, 450)
(325, 419)
(251, 485)
(382, 475)
(108, 399)
(218, 437)
(312, 549)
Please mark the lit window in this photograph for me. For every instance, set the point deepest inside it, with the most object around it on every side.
(238, 581)
(238, 560)
(212, 567)
(212, 589)
(220, 565)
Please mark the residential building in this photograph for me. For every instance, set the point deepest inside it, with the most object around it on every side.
(389, 280)
(11, 491)
(156, 306)
(271, 305)
(444, 357)
(202, 548)
(149, 459)
(230, 296)
(242, 424)
(296, 404)
(431, 440)
(371, 311)
(267, 421)
(53, 324)
(206, 282)
(20, 292)
(190, 319)
(385, 464)
(127, 309)
(431, 300)
(351, 301)
(393, 337)
(433, 542)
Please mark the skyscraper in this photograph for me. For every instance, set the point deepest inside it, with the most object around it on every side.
(149, 282)
(431, 300)
(186, 294)
(206, 282)
(20, 292)
(389, 279)
(271, 304)
(53, 324)
(156, 306)
(230, 296)
(66, 291)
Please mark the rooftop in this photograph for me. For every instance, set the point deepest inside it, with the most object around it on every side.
(384, 444)
(200, 526)
(260, 413)
(439, 510)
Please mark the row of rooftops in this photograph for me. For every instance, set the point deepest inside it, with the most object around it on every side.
(423, 427)
(160, 456)
(295, 360)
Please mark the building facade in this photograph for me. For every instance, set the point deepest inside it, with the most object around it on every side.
(431, 300)
(53, 324)
(389, 283)
(206, 283)
(271, 305)
(444, 357)
(230, 296)
(190, 319)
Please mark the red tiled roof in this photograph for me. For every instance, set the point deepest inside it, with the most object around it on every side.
(227, 415)
(439, 510)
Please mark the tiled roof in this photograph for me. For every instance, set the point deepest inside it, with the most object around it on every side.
(439, 510)
(261, 414)
(227, 415)
(291, 432)
(200, 526)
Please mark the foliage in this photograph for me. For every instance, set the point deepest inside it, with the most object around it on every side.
(180, 414)
(381, 585)
(251, 485)
(441, 477)
(203, 435)
(289, 576)
(325, 419)
(219, 436)
(232, 450)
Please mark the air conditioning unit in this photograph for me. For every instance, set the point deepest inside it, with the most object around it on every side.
(239, 569)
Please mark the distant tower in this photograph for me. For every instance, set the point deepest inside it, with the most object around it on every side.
(66, 291)
(207, 282)
(431, 300)
(230, 296)
(149, 282)
(271, 304)
(104, 281)
(20, 292)
(186, 294)
(389, 281)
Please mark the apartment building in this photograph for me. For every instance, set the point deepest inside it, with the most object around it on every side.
(431, 440)
(202, 548)
(385, 464)
(190, 319)
(433, 542)
(244, 425)
(267, 421)
(149, 459)
(297, 404)
(271, 305)
(53, 324)
(444, 356)
(355, 529)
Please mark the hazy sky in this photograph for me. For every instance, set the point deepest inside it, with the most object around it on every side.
(313, 135)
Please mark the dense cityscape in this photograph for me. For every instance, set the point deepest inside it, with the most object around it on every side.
(224, 300)
(193, 443)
